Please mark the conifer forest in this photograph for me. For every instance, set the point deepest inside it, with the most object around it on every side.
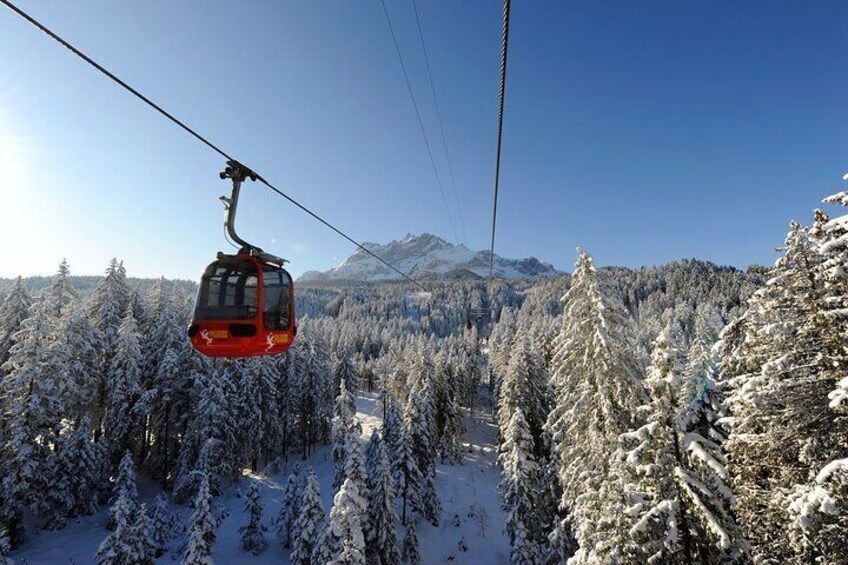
(685, 413)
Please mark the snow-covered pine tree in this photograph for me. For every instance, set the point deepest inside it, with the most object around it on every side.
(406, 474)
(124, 545)
(253, 533)
(411, 552)
(60, 293)
(523, 551)
(309, 522)
(13, 311)
(381, 539)
(345, 371)
(108, 303)
(164, 524)
(105, 310)
(322, 551)
(520, 488)
(124, 388)
(680, 511)
(818, 507)
(343, 427)
(779, 375)
(210, 445)
(596, 380)
(167, 400)
(289, 508)
(248, 412)
(143, 546)
(75, 354)
(417, 428)
(347, 540)
(31, 414)
(698, 378)
(273, 407)
(124, 488)
(524, 384)
(449, 427)
(321, 376)
(391, 426)
(81, 468)
(201, 535)
(355, 463)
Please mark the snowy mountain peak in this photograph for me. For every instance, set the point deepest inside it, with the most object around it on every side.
(427, 256)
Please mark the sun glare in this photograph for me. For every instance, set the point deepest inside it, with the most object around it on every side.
(17, 224)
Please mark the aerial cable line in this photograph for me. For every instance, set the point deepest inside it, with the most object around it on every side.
(504, 47)
(200, 138)
(439, 117)
(420, 121)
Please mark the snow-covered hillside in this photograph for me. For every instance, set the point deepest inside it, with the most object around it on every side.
(428, 256)
(471, 530)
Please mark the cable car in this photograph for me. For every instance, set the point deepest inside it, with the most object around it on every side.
(245, 303)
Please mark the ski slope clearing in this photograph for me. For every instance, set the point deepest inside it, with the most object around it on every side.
(472, 517)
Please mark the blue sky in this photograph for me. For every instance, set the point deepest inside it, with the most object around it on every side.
(642, 131)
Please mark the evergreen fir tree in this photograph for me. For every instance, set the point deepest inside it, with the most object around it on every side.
(381, 538)
(248, 412)
(780, 368)
(32, 414)
(680, 512)
(816, 504)
(126, 544)
(289, 509)
(81, 464)
(13, 311)
(411, 553)
(345, 372)
(391, 426)
(75, 360)
(344, 528)
(309, 523)
(598, 390)
(164, 525)
(60, 293)
(125, 489)
(449, 427)
(201, 535)
(525, 384)
(143, 546)
(167, 400)
(253, 534)
(322, 551)
(523, 551)
(354, 469)
(406, 473)
(520, 487)
(274, 407)
(124, 389)
(343, 426)
(417, 423)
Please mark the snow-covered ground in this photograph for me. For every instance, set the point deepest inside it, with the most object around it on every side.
(470, 502)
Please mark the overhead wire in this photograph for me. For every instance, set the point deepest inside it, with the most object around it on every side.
(439, 118)
(504, 49)
(420, 121)
(201, 138)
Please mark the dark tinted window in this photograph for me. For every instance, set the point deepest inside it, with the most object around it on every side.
(227, 292)
(277, 309)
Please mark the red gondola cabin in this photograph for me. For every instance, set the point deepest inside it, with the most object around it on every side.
(245, 307)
